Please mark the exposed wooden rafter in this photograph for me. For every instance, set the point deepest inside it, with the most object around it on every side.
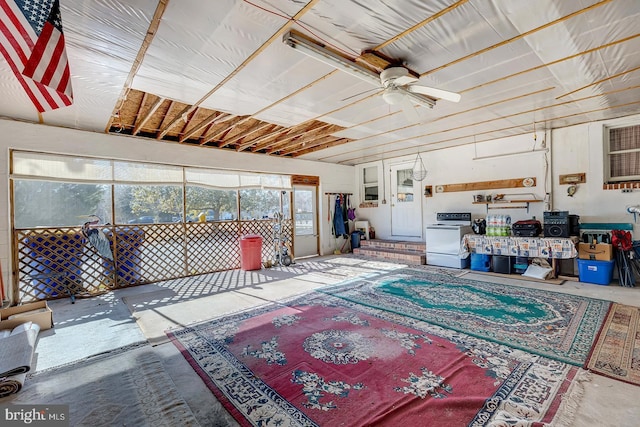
(257, 127)
(149, 114)
(212, 118)
(276, 36)
(218, 134)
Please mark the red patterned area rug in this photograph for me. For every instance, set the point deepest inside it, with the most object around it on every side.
(324, 361)
(616, 353)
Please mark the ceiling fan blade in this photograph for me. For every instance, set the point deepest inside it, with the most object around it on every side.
(358, 94)
(435, 93)
(410, 111)
(404, 80)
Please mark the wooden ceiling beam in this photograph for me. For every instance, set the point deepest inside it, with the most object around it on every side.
(518, 37)
(324, 146)
(211, 119)
(265, 137)
(275, 37)
(276, 145)
(308, 137)
(548, 64)
(528, 112)
(291, 132)
(303, 143)
(145, 95)
(220, 132)
(148, 38)
(421, 24)
(257, 127)
(165, 118)
(275, 130)
(143, 121)
(187, 121)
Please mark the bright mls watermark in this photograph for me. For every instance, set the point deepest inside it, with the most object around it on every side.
(34, 415)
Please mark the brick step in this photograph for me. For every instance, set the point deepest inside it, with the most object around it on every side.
(397, 245)
(407, 257)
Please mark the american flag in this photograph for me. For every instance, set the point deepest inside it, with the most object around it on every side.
(32, 42)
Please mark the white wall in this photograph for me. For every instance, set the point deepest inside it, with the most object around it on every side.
(28, 136)
(581, 149)
(457, 166)
(572, 149)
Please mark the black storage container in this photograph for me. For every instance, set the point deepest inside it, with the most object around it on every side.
(502, 264)
(521, 264)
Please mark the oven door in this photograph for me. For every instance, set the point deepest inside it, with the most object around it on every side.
(443, 239)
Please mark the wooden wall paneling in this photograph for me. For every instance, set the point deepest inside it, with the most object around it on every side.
(487, 185)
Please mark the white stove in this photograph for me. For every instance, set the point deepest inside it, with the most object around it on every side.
(443, 239)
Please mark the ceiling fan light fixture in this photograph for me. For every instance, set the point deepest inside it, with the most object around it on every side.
(393, 96)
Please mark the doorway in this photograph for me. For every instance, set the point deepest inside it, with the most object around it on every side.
(406, 206)
(305, 220)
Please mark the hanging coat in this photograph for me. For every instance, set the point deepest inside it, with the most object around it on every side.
(338, 219)
(351, 211)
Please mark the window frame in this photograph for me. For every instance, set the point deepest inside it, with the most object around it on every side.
(608, 153)
(364, 185)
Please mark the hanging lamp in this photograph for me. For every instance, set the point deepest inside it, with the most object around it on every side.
(419, 172)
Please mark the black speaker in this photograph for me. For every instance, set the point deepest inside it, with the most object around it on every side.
(556, 230)
(556, 224)
(574, 225)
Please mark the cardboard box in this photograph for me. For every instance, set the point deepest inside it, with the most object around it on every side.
(595, 252)
(36, 312)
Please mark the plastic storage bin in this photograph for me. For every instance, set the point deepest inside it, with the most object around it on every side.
(251, 252)
(55, 259)
(355, 239)
(598, 272)
(521, 264)
(502, 264)
(129, 243)
(480, 262)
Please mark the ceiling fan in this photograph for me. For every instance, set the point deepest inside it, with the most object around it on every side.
(397, 84)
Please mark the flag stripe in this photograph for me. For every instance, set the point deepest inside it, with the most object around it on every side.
(18, 25)
(37, 67)
(28, 85)
(39, 61)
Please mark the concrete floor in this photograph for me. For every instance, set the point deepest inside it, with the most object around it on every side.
(142, 314)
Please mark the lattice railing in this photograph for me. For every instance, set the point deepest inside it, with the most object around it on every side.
(57, 262)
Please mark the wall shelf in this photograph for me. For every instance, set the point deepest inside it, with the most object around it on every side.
(508, 204)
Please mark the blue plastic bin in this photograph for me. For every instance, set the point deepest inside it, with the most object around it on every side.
(355, 239)
(54, 261)
(598, 272)
(480, 262)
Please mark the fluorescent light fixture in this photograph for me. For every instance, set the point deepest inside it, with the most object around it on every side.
(515, 153)
(316, 51)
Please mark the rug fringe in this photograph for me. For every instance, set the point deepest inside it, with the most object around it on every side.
(571, 400)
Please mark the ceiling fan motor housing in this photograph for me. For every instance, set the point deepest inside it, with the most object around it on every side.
(388, 76)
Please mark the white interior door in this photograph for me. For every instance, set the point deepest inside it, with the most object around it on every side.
(406, 206)
(305, 221)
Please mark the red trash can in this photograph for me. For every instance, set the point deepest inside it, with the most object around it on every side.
(251, 252)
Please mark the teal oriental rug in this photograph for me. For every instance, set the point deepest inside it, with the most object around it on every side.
(318, 360)
(551, 324)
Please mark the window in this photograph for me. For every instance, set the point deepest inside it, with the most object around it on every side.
(303, 201)
(217, 205)
(59, 204)
(370, 183)
(147, 204)
(623, 153)
(52, 190)
(404, 179)
(259, 204)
